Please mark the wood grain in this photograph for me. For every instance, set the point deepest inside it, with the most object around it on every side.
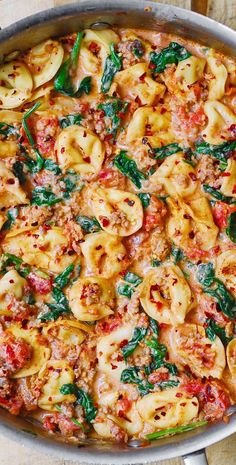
(223, 453)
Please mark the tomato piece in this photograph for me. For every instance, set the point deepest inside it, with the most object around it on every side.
(197, 117)
(221, 211)
(111, 323)
(14, 353)
(110, 177)
(39, 284)
(195, 254)
(49, 423)
(123, 406)
(154, 214)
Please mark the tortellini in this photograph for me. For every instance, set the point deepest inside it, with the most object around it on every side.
(44, 60)
(168, 409)
(40, 352)
(189, 71)
(220, 74)
(231, 357)
(10, 284)
(54, 374)
(229, 182)
(10, 191)
(132, 423)
(177, 176)
(16, 84)
(119, 213)
(146, 89)
(148, 116)
(110, 360)
(220, 118)
(91, 298)
(226, 269)
(80, 149)
(103, 254)
(192, 347)
(165, 294)
(93, 63)
(191, 224)
(46, 250)
(69, 332)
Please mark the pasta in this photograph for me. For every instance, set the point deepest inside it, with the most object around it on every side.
(117, 235)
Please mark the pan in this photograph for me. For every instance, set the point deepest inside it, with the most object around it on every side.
(96, 14)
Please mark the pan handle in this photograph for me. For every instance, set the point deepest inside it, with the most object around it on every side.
(197, 458)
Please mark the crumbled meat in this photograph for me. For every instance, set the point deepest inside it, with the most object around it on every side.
(207, 169)
(132, 51)
(14, 354)
(160, 247)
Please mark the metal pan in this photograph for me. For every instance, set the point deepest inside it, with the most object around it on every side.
(97, 14)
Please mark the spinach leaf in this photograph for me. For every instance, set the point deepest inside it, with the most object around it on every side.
(63, 81)
(71, 182)
(18, 171)
(213, 330)
(129, 168)
(127, 290)
(84, 87)
(131, 375)
(206, 276)
(171, 54)
(43, 197)
(159, 352)
(52, 166)
(8, 130)
(177, 254)
(63, 278)
(161, 153)
(57, 309)
(231, 227)
(11, 219)
(69, 120)
(154, 326)
(35, 165)
(89, 225)
(167, 384)
(145, 199)
(137, 48)
(112, 66)
(138, 335)
(176, 430)
(188, 157)
(114, 109)
(218, 195)
(220, 152)
(155, 262)
(8, 259)
(82, 398)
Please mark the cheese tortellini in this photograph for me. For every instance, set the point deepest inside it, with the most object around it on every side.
(120, 213)
(10, 284)
(177, 176)
(10, 191)
(16, 84)
(91, 298)
(220, 118)
(229, 182)
(192, 347)
(231, 357)
(99, 42)
(80, 149)
(69, 332)
(53, 375)
(46, 250)
(220, 74)
(110, 360)
(40, 352)
(103, 254)
(158, 123)
(129, 84)
(191, 224)
(165, 294)
(226, 269)
(44, 60)
(168, 409)
(189, 71)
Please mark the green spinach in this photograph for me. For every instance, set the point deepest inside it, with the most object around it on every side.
(161, 153)
(112, 66)
(131, 375)
(138, 335)
(176, 430)
(171, 54)
(89, 225)
(133, 281)
(231, 227)
(129, 168)
(63, 82)
(145, 199)
(218, 195)
(114, 110)
(63, 278)
(82, 398)
(43, 197)
(11, 219)
(213, 330)
(69, 120)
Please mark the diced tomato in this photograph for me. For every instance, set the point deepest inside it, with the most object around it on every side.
(39, 284)
(221, 211)
(111, 323)
(46, 130)
(110, 177)
(13, 405)
(154, 214)
(123, 406)
(158, 377)
(14, 353)
(195, 253)
(197, 117)
(213, 397)
(49, 423)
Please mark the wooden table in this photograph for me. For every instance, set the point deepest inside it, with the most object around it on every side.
(223, 453)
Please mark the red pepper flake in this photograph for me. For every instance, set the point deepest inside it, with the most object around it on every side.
(123, 343)
(105, 222)
(225, 174)
(62, 149)
(142, 77)
(234, 189)
(87, 160)
(163, 110)
(129, 202)
(11, 181)
(94, 48)
(232, 128)
(113, 367)
(108, 137)
(152, 66)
